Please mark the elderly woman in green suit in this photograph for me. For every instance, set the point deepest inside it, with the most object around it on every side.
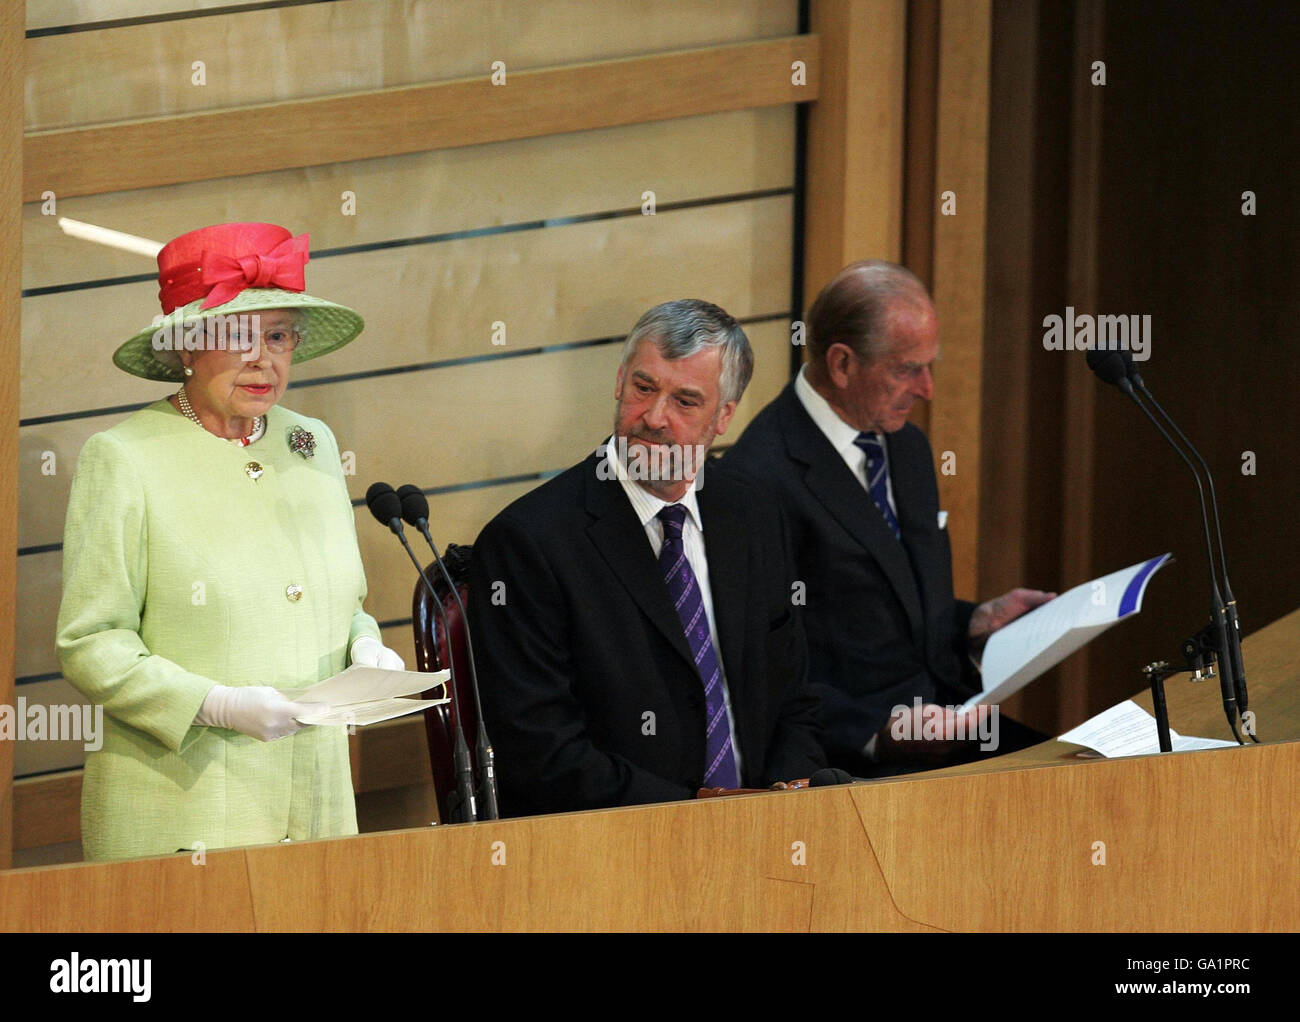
(210, 565)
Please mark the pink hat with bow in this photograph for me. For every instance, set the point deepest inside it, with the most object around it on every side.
(230, 270)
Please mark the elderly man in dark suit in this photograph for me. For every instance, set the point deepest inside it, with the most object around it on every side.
(857, 484)
(633, 616)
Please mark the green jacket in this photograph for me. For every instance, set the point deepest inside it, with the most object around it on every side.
(176, 569)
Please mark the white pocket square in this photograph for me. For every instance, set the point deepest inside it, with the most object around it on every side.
(943, 519)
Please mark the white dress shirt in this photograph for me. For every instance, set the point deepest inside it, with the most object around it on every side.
(841, 435)
(647, 507)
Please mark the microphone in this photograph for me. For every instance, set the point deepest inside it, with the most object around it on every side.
(1111, 368)
(1230, 601)
(415, 509)
(386, 506)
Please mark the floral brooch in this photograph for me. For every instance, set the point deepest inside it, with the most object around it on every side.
(302, 442)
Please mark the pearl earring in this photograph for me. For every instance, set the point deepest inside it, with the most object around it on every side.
(189, 371)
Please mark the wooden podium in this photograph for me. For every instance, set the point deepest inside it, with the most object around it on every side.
(1040, 840)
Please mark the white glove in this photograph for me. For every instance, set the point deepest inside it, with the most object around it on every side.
(370, 652)
(256, 710)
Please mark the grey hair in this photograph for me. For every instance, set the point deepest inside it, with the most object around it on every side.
(682, 328)
(855, 308)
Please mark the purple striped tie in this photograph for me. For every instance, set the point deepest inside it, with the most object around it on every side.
(876, 481)
(720, 771)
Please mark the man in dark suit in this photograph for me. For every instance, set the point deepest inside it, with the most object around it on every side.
(857, 485)
(632, 617)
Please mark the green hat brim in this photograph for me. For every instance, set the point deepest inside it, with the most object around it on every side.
(152, 355)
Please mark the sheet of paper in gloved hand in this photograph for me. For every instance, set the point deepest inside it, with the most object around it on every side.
(366, 695)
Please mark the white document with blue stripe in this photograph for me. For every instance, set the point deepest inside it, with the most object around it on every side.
(1033, 644)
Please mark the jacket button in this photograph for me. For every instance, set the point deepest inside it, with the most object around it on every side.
(294, 593)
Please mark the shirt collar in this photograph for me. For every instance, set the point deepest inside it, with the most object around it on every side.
(644, 503)
(838, 432)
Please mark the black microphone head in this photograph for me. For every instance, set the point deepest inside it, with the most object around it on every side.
(415, 507)
(829, 775)
(376, 490)
(384, 503)
(1109, 365)
(1131, 369)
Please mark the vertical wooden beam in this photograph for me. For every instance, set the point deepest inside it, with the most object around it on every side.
(12, 24)
(1014, 93)
(961, 167)
(920, 138)
(919, 206)
(855, 138)
(1081, 292)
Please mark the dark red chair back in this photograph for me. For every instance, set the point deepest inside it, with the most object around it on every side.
(435, 650)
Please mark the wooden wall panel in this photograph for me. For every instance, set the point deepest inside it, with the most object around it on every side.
(855, 138)
(467, 111)
(288, 53)
(958, 286)
(41, 757)
(423, 303)
(47, 811)
(1222, 288)
(433, 194)
(920, 196)
(1078, 507)
(11, 164)
(50, 14)
(1024, 432)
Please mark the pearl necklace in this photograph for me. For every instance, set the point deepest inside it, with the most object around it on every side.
(259, 426)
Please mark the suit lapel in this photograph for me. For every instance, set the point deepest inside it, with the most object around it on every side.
(845, 500)
(622, 542)
(909, 475)
(912, 475)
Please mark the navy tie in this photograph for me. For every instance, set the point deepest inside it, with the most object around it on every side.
(877, 482)
(720, 758)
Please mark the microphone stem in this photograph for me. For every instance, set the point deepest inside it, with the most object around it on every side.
(1200, 492)
(1214, 503)
(1230, 601)
(1217, 616)
(460, 755)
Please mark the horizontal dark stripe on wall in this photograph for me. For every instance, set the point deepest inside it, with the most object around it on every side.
(43, 548)
(540, 477)
(449, 363)
(32, 679)
(414, 367)
(446, 236)
(150, 19)
(48, 773)
(483, 484)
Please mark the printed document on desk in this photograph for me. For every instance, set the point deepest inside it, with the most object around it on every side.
(1033, 644)
(1128, 730)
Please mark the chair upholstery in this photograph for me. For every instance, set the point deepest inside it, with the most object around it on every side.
(431, 654)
